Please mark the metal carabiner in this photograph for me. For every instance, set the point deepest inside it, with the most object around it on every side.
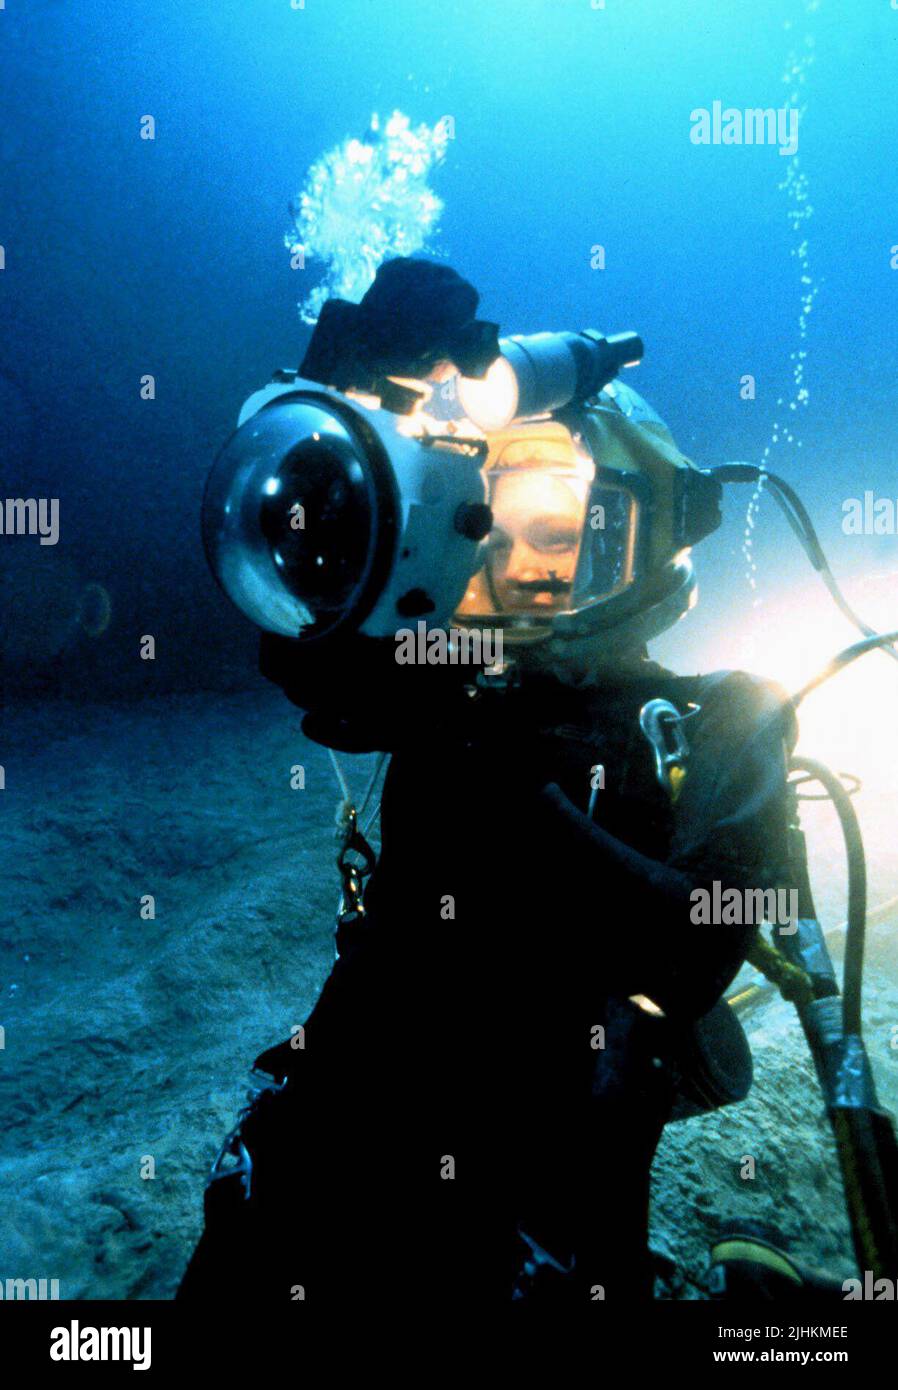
(242, 1170)
(662, 724)
(353, 873)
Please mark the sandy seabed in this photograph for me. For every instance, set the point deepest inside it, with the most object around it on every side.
(128, 1040)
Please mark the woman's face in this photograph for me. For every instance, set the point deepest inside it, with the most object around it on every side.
(532, 548)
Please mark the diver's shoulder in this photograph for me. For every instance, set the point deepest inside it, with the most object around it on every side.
(742, 698)
(746, 685)
(727, 686)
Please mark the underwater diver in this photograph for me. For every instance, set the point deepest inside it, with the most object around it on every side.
(522, 998)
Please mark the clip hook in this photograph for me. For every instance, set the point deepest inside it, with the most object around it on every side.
(662, 724)
(353, 871)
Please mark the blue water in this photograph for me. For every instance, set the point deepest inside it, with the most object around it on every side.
(571, 129)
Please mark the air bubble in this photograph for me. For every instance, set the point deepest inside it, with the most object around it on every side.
(798, 212)
(365, 201)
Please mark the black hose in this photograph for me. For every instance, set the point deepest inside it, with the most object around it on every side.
(798, 517)
(855, 931)
(843, 659)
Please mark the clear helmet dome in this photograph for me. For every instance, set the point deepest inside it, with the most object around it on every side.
(291, 516)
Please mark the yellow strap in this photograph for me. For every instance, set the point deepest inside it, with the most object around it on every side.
(676, 777)
(743, 1248)
(792, 982)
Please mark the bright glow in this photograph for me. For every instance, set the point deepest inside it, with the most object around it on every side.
(584, 465)
(491, 402)
(363, 399)
(848, 723)
(790, 641)
(648, 1006)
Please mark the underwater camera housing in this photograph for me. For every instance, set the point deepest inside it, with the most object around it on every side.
(417, 469)
(323, 516)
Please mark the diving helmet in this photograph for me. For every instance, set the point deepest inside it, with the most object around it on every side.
(515, 484)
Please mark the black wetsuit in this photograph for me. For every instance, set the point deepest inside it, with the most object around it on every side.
(451, 1090)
